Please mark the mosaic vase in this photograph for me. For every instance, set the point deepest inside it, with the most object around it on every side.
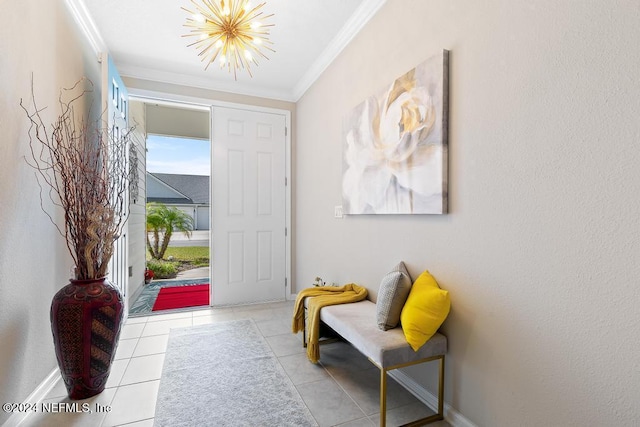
(86, 316)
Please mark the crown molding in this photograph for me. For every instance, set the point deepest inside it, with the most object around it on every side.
(362, 15)
(88, 27)
(169, 77)
(356, 22)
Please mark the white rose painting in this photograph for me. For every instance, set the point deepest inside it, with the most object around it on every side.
(395, 146)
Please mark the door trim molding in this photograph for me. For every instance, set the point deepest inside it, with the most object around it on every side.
(145, 95)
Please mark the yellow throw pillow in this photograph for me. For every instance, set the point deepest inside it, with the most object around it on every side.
(426, 308)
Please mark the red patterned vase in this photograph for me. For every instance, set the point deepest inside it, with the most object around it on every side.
(86, 316)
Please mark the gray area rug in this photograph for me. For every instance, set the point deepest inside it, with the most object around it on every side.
(225, 374)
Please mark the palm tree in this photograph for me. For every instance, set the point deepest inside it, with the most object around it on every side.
(161, 218)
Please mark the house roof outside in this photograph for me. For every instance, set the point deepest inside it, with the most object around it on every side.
(195, 188)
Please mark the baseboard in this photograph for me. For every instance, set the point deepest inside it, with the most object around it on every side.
(36, 397)
(134, 296)
(453, 417)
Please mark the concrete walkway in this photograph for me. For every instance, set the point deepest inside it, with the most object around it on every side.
(194, 273)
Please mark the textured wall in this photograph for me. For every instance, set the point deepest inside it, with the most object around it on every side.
(541, 249)
(40, 38)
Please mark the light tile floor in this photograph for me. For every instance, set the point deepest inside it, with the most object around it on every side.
(342, 390)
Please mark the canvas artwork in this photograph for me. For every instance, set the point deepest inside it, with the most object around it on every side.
(395, 145)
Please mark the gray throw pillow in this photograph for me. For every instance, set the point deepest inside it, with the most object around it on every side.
(393, 292)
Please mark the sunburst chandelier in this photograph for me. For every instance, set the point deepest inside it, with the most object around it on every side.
(231, 31)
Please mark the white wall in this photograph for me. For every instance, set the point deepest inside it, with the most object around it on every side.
(36, 37)
(541, 250)
(138, 215)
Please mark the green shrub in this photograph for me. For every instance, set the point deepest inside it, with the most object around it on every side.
(163, 269)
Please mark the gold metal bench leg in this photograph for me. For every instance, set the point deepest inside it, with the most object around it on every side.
(304, 333)
(383, 397)
(441, 389)
(304, 328)
(422, 421)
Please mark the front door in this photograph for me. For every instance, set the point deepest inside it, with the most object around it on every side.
(248, 205)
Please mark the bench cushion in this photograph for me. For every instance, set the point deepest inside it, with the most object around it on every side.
(356, 323)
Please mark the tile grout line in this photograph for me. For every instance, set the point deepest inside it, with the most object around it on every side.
(257, 316)
(346, 392)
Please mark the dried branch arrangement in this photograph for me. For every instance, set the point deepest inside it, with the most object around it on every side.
(84, 166)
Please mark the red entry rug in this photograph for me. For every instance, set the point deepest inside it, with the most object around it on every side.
(182, 296)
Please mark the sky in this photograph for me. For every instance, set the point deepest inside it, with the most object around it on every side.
(178, 155)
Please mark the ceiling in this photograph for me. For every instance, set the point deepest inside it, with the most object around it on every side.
(144, 38)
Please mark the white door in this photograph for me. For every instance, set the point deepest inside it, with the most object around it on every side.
(116, 108)
(248, 205)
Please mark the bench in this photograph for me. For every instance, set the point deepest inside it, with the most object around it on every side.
(387, 350)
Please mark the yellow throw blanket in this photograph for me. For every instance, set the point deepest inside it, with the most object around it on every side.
(322, 296)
